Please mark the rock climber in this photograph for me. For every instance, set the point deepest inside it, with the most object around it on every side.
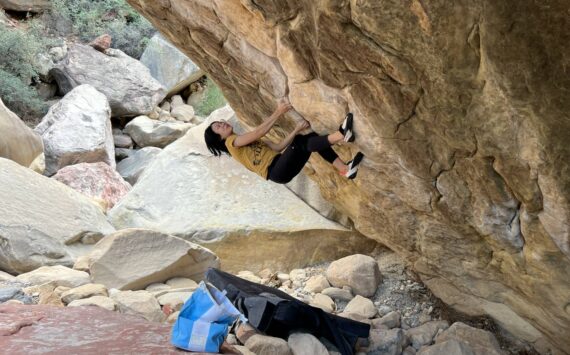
(281, 162)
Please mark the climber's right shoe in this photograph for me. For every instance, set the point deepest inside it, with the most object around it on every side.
(346, 128)
(353, 166)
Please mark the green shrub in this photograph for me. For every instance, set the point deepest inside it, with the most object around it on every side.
(92, 18)
(213, 99)
(19, 51)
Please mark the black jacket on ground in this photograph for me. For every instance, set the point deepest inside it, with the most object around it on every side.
(278, 314)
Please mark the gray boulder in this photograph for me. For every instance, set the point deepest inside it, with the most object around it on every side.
(42, 219)
(133, 166)
(169, 65)
(147, 132)
(126, 83)
(78, 130)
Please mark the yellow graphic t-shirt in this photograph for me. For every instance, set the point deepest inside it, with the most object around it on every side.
(256, 156)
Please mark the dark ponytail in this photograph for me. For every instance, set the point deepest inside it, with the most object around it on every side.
(216, 145)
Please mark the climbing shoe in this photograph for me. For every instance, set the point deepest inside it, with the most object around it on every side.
(346, 128)
(353, 166)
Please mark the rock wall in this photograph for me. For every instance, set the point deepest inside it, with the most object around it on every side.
(461, 110)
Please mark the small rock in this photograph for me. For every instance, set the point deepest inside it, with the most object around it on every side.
(123, 141)
(362, 306)
(390, 320)
(450, 347)
(182, 282)
(249, 276)
(176, 101)
(383, 310)
(306, 344)
(101, 43)
(61, 275)
(316, 284)
(361, 272)
(298, 275)
(410, 351)
(122, 153)
(184, 113)
(4, 276)
(140, 303)
(45, 293)
(84, 291)
(479, 340)
(265, 274)
(173, 317)
(323, 302)
(283, 277)
(165, 106)
(99, 301)
(262, 344)
(424, 334)
(157, 286)
(388, 342)
(338, 294)
(245, 331)
(175, 300)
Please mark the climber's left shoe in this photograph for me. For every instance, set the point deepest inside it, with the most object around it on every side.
(353, 166)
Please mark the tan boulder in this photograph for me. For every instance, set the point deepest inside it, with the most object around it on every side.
(18, 143)
(134, 258)
(316, 284)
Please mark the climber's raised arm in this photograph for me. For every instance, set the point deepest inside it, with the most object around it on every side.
(262, 129)
(278, 147)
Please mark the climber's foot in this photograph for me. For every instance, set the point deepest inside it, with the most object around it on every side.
(346, 128)
(353, 166)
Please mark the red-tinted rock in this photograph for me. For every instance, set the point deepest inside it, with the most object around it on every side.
(27, 329)
(96, 180)
(101, 43)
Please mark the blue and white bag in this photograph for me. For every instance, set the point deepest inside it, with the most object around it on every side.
(204, 320)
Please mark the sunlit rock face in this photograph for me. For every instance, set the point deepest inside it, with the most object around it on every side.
(462, 112)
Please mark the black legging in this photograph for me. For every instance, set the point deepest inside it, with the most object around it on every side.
(287, 165)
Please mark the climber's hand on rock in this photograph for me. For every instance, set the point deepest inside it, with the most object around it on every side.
(304, 124)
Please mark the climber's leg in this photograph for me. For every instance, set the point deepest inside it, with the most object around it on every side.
(290, 163)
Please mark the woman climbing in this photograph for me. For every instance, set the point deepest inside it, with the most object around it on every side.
(264, 157)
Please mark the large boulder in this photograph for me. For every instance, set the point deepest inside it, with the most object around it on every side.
(18, 142)
(218, 203)
(80, 330)
(167, 64)
(96, 180)
(78, 130)
(481, 341)
(132, 167)
(126, 83)
(132, 259)
(148, 132)
(41, 220)
(25, 5)
(461, 112)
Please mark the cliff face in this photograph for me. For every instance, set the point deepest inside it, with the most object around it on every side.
(462, 110)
